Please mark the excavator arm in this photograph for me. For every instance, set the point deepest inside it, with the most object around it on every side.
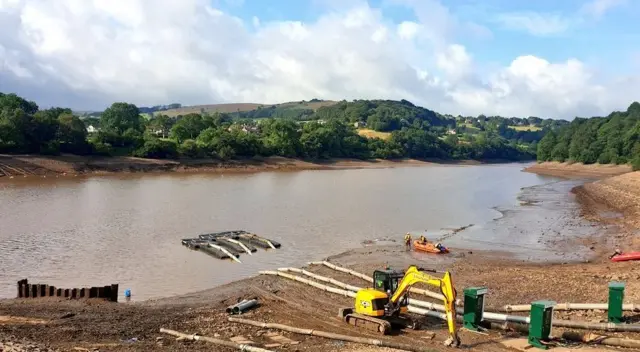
(415, 275)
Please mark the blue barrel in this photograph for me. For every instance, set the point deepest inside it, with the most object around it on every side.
(127, 293)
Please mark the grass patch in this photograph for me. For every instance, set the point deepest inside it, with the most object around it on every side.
(365, 132)
(526, 128)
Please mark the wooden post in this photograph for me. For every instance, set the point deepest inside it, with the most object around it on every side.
(34, 291)
(21, 288)
(67, 293)
(93, 292)
(100, 292)
(43, 290)
(52, 291)
(83, 293)
(74, 293)
(59, 292)
(114, 293)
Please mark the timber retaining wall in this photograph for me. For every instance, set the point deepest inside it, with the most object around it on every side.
(27, 290)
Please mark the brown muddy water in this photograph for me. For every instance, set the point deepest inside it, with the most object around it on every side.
(95, 231)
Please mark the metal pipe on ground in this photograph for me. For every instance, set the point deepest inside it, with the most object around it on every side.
(332, 336)
(571, 306)
(370, 279)
(213, 341)
(242, 306)
(600, 339)
(322, 278)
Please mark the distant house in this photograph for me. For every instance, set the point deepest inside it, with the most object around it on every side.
(244, 128)
(451, 132)
(360, 124)
(91, 129)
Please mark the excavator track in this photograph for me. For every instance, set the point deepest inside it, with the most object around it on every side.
(370, 323)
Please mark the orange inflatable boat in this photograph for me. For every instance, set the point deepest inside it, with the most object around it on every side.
(429, 247)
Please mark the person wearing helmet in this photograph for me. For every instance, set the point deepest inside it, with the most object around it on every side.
(407, 241)
(423, 240)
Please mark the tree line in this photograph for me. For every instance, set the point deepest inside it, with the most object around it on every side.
(614, 139)
(122, 130)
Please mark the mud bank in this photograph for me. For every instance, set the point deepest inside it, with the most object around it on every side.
(64, 325)
(577, 170)
(70, 165)
(610, 197)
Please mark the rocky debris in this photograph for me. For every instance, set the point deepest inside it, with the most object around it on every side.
(13, 346)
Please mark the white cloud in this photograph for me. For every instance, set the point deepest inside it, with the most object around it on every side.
(598, 8)
(540, 24)
(89, 53)
(408, 29)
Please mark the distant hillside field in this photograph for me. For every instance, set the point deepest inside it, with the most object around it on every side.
(243, 107)
(365, 132)
(526, 128)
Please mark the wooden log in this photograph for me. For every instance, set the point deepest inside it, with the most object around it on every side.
(332, 336)
(601, 339)
(114, 293)
(213, 341)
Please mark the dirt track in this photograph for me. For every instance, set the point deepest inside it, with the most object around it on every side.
(110, 327)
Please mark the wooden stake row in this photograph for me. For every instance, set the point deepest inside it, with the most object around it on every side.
(26, 290)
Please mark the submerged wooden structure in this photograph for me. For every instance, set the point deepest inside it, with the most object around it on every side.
(229, 244)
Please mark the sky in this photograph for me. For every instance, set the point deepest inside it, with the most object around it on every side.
(552, 59)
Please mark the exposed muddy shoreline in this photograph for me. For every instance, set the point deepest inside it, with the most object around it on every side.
(577, 170)
(13, 166)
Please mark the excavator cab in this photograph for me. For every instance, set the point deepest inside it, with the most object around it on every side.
(387, 281)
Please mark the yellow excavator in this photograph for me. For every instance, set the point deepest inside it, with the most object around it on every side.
(385, 305)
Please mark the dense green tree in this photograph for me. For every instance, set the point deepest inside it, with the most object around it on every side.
(546, 145)
(121, 117)
(72, 134)
(611, 139)
(187, 127)
(281, 137)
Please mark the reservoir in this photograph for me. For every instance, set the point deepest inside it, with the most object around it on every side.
(91, 231)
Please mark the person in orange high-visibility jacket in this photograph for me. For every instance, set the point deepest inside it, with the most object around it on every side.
(407, 241)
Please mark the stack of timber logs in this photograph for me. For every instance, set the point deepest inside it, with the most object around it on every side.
(27, 290)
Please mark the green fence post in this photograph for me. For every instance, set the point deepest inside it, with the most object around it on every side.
(616, 297)
(473, 307)
(541, 320)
